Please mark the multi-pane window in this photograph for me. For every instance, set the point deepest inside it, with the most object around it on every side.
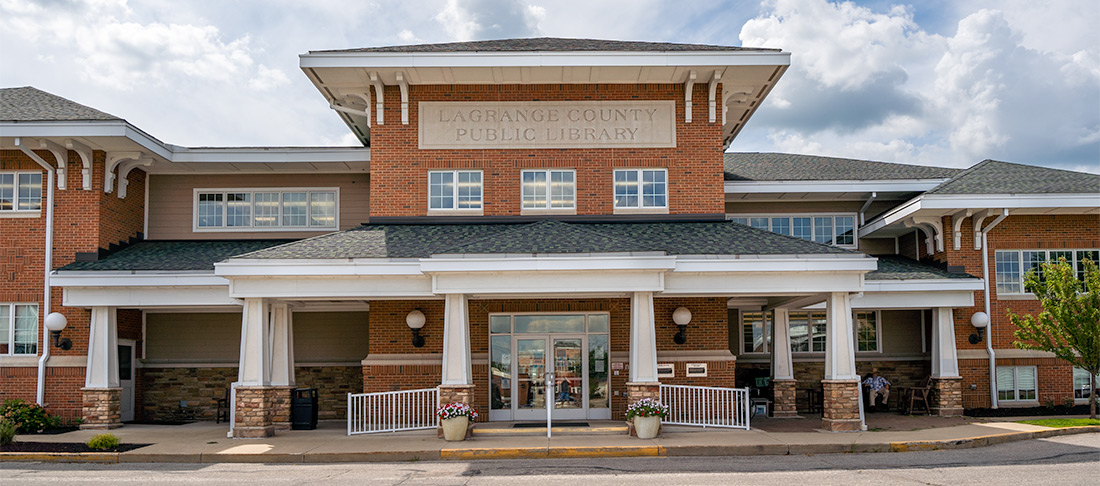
(756, 329)
(641, 188)
(549, 189)
(20, 191)
(263, 210)
(807, 332)
(454, 190)
(18, 329)
(1012, 265)
(1082, 387)
(836, 229)
(867, 331)
(1017, 383)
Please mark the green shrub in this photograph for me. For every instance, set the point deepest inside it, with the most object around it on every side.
(7, 432)
(103, 442)
(29, 417)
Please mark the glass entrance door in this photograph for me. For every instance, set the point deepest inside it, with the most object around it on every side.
(534, 364)
(530, 378)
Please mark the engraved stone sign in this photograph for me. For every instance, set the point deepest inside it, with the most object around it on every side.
(547, 124)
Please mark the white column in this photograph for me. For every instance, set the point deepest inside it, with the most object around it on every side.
(840, 357)
(457, 364)
(282, 344)
(643, 339)
(945, 358)
(782, 366)
(255, 365)
(102, 370)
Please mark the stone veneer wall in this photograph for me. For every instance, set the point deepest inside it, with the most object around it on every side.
(809, 375)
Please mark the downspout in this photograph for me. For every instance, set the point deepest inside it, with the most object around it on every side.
(40, 395)
(989, 328)
(865, 206)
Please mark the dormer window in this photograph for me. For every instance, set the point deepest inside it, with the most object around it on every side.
(455, 191)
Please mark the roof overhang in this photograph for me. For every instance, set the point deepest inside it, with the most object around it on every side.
(746, 76)
(827, 190)
(901, 219)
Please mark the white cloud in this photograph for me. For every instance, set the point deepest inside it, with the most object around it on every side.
(468, 20)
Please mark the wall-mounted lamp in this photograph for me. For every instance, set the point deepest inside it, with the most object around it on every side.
(416, 320)
(681, 316)
(980, 320)
(55, 323)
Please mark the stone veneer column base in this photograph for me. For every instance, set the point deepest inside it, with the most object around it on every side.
(279, 399)
(947, 397)
(102, 408)
(254, 412)
(457, 394)
(841, 412)
(783, 405)
(636, 391)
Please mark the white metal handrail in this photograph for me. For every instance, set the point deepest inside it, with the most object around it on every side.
(392, 411)
(706, 406)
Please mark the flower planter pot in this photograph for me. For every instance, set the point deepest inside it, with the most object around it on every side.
(454, 429)
(647, 427)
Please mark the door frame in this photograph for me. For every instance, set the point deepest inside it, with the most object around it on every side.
(133, 382)
(581, 413)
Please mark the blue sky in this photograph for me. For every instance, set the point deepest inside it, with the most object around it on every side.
(937, 83)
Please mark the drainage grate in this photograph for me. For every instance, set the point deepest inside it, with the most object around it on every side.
(528, 425)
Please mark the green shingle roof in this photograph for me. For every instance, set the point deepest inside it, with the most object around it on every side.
(996, 177)
(32, 104)
(422, 241)
(551, 44)
(768, 166)
(172, 255)
(900, 268)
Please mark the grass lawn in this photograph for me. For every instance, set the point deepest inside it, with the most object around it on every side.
(1060, 422)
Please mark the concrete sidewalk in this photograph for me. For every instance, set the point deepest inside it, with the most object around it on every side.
(205, 442)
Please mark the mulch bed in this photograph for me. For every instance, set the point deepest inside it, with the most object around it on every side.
(20, 446)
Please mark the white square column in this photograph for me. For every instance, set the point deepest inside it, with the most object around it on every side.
(255, 360)
(282, 344)
(457, 362)
(840, 356)
(945, 357)
(782, 364)
(643, 339)
(102, 370)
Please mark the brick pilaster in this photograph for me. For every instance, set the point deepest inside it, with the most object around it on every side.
(841, 412)
(947, 397)
(102, 408)
(783, 405)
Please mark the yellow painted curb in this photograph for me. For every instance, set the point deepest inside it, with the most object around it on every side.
(494, 453)
(627, 451)
(60, 456)
(987, 440)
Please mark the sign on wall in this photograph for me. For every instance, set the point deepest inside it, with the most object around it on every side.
(547, 124)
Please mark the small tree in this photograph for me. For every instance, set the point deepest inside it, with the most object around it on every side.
(1069, 325)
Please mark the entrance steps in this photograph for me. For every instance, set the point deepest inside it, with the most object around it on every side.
(536, 429)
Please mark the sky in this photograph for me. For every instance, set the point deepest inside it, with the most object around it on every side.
(947, 83)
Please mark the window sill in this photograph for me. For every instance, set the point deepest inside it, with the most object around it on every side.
(456, 212)
(19, 360)
(641, 211)
(37, 213)
(1016, 297)
(537, 212)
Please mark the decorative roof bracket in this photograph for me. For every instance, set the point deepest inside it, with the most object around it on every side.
(712, 88)
(689, 89)
(404, 85)
(85, 154)
(62, 155)
(957, 221)
(979, 217)
(124, 171)
(936, 224)
(114, 159)
(379, 96)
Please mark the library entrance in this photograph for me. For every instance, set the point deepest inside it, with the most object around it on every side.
(560, 361)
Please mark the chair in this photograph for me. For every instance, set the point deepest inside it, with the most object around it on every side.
(223, 408)
(919, 393)
(868, 406)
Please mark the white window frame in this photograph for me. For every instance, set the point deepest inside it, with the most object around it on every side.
(640, 207)
(809, 330)
(790, 224)
(252, 200)
(1016, 385)
(768, 318)
(1082, 371)
(15, 212)
(454, 210)
(878, 330)
(547, 208)
(1024, 267)
(10, 328)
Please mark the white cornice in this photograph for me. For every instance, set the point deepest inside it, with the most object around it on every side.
(922, 285)
(942, 204)
(540, 59)
(270, 154)
(778, 187)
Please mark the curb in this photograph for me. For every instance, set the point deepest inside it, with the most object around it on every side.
(473, 454)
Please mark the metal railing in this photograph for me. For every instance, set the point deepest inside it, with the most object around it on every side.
(392, 411)
(706, 406)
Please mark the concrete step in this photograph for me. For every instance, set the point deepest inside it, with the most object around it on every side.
(507, 430)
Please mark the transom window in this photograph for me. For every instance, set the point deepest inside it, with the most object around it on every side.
(1017, 383)
(641, 188)
(830, 229)
(18, 329)
(549, 189)
(20, 191)
(1012, 265)
(454, 190)
(266, 209)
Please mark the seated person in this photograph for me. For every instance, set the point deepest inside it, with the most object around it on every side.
(877, 386)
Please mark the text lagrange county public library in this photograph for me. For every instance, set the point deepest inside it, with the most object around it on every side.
(595, 124)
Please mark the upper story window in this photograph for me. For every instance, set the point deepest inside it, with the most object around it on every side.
(549, 189)
(641, 189)
(297, 209)
(20, 191)
(453, 190)
(18, 329)
(1012, 265)
(830, 229)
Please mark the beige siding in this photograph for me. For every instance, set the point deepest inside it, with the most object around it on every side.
(330, 337)
(172, 200)
(901, 331)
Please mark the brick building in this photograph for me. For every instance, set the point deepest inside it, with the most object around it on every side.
(537, 210)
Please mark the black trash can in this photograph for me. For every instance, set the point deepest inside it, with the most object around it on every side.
(303, 409)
